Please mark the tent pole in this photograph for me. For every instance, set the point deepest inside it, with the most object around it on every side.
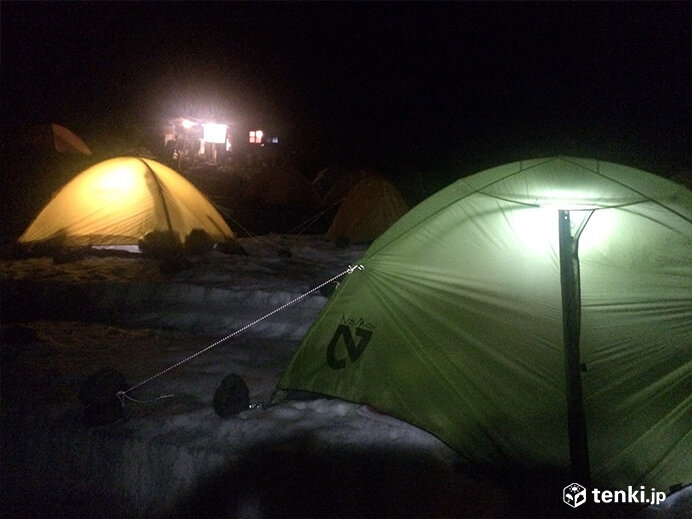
(571, 319)
(160, 192)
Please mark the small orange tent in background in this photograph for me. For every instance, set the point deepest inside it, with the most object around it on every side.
(53, 137)
(341, 185)
(119, 201)
(368, 210)
(326, 177)
(66, 141)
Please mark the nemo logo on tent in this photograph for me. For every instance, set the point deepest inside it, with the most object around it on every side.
(353, 348)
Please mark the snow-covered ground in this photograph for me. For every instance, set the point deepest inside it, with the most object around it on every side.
(175, 457)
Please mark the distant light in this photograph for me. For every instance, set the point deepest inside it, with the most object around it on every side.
(187, 124)
(275, 140)
(214, 132)
(256, 136)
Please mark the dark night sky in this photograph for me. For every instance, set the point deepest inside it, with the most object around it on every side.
(420, 84)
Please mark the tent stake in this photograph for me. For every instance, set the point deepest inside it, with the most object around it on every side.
(571, 319)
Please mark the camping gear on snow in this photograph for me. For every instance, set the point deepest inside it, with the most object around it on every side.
(522, 312)
(368, 210)
(122, 200)
(232, 396)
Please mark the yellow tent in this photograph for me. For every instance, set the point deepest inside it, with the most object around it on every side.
(368, 210)
(119, 201)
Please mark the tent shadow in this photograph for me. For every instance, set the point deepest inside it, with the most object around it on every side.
(306, 478)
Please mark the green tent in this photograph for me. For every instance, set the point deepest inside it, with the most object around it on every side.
(537, 314)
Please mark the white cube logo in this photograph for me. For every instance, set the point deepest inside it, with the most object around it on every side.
(574, 495)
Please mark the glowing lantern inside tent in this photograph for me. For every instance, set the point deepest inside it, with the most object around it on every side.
(116, 183)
